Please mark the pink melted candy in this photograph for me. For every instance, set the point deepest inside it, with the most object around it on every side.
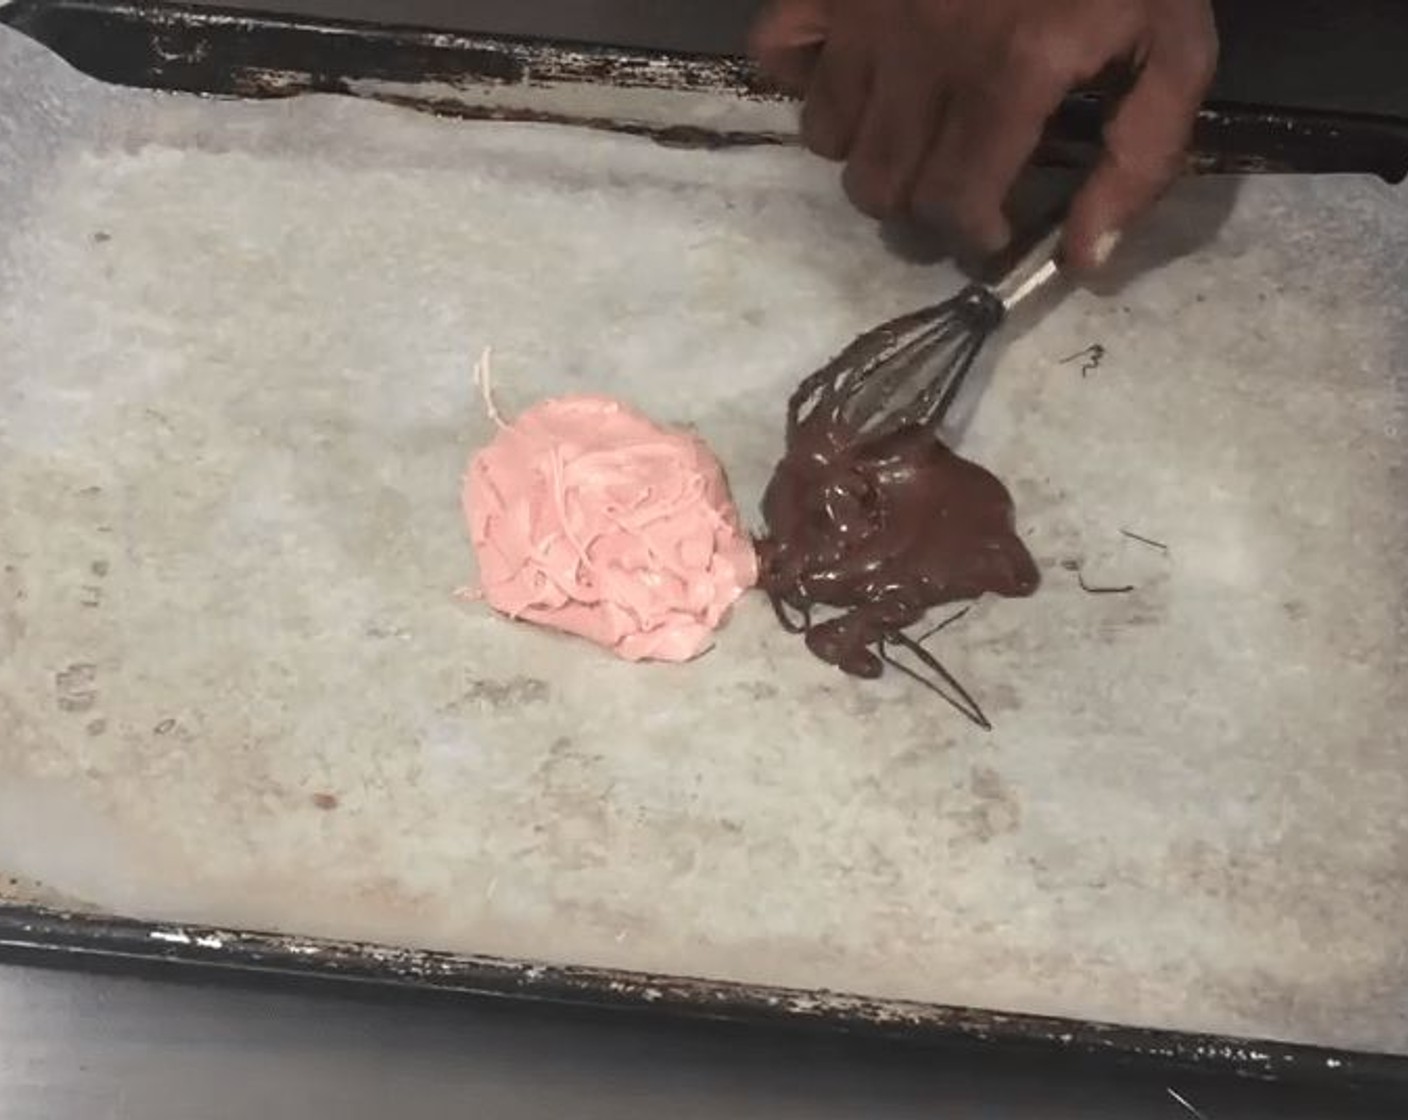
(589, 518)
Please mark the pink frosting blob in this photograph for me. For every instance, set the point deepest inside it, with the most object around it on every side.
(590, 518)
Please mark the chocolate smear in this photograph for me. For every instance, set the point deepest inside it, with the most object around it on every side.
(881, 523)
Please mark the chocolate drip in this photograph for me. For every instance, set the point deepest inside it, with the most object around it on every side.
(883, 525)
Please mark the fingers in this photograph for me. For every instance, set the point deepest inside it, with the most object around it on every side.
(786, 41)
(986, 139)
(1145, 142)
(894, 134)
(874, 108)
(836, 98)
(937, 112)
(793, 45)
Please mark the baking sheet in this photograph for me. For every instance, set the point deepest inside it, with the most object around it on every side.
(235, 688)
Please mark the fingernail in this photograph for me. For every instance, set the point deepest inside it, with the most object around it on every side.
(1104, 246)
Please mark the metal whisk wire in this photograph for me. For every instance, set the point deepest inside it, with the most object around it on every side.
(909, 371)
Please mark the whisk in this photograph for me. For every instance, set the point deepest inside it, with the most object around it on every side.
(910, 370)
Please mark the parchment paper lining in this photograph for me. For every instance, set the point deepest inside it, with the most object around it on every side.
(235, 401)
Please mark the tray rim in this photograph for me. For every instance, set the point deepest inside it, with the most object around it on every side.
(1229, 137)
(35, 933)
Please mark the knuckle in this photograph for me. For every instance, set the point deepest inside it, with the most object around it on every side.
(978, 223)
(1039, 53)
(873, 191)
(1199, 61)
(946, 202)
(933, 197)
(1142, 165)
(1140, 159)
(1190, 42)
(1144, 174)
(939, 180)
(1026, 47)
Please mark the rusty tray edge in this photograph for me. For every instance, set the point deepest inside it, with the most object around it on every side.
(224, 52)
(36, 933)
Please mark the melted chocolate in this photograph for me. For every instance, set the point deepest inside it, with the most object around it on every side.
(883, 526)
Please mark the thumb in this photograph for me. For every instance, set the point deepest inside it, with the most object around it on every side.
(786, 41)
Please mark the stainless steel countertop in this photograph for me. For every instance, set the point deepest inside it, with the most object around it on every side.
(112, 1047)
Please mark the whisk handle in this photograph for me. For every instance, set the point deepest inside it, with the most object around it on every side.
(1032, 271)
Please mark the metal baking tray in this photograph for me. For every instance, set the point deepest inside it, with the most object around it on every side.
(235, 53)
(229, 54)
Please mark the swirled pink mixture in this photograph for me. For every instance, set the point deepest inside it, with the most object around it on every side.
(589, 518)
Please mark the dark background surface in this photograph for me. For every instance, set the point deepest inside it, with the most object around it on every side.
(83, 1044)
(110, 1047)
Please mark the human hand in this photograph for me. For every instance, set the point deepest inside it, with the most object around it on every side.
(936, 106)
